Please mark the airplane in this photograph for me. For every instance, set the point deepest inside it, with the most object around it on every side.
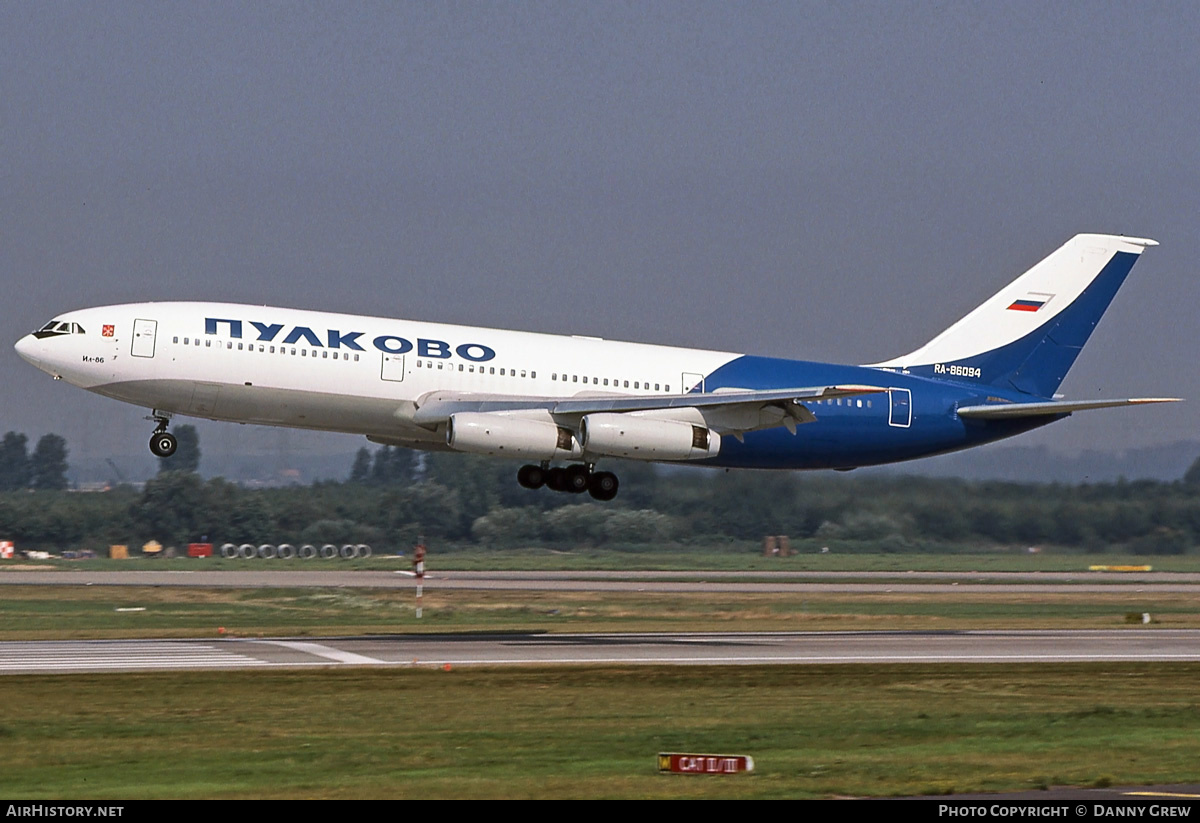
(576, 400)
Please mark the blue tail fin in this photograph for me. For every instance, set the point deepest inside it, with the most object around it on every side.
(1028, 335)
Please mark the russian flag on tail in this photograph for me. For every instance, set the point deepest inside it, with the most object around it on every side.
(1031, 302)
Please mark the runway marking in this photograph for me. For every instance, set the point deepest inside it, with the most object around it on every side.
(318, 650)
(110, 655)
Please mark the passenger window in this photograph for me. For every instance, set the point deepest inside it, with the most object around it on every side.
(175, 340)
(533, 375)
(356, 358)
(522, 372)
(240, 347)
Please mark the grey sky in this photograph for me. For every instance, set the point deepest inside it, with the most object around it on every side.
(827, 181)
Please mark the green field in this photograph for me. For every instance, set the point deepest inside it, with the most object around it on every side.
(813, 731)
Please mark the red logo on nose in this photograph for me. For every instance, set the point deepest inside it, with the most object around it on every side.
(108, 331)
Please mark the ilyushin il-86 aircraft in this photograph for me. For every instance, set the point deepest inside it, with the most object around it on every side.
(564, 404)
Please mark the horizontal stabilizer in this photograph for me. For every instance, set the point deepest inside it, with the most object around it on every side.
(1051, 408)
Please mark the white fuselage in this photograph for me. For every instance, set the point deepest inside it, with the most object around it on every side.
(337, 372)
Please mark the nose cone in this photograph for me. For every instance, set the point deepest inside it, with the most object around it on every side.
(33, 351)
(27, 348)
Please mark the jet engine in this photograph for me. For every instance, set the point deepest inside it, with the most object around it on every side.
(640, 438)
(501, 436)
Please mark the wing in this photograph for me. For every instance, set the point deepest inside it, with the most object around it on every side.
(1050, 408)
(734, 411)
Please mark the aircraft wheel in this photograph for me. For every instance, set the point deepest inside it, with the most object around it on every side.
(556, 479)
(163, 444)
(576, 481)
(603, 485)
(531, 477)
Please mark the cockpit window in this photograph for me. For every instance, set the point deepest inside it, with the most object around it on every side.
(57, 328)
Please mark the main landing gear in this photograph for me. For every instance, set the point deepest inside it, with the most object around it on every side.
(162, 442)
(576, 479)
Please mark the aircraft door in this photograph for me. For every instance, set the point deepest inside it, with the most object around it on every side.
(691, 381)
(144, 332)
(900, 414)
(392, 368)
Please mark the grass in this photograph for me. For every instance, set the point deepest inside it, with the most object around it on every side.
(816, 731)
(50, 612)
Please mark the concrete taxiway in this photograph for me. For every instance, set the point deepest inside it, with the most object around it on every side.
(281, 576)
(754, 648)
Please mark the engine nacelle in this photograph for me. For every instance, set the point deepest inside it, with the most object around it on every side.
(640, 438)
(500, 436)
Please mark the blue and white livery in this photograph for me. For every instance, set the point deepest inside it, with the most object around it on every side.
(553, 400)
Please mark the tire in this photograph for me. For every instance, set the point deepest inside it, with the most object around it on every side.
(329, 551)
(163, 444)
(576, 480)
(286, 551)
(307, 552)
(349, 551)
(267, 551)
(603, 485)
(247, 552)
(229, 551)
(556, 479)
(364, 550)
(531, 477)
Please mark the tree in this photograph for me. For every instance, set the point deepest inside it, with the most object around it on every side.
(393, 465)
(49, 464)
(187, 455)
(14, 462)
(1191, 476)
(360, 472)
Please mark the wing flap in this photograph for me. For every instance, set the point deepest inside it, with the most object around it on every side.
(999, 411)
(436, 408)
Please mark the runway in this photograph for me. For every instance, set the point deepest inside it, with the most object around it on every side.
(281, 576)
(733, 649)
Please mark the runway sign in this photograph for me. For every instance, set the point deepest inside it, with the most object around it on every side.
(677, 763)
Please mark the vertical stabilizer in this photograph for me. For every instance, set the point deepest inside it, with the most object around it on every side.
(1028, 335)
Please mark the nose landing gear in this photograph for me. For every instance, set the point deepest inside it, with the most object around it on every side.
(162, 442)
(575, 479)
